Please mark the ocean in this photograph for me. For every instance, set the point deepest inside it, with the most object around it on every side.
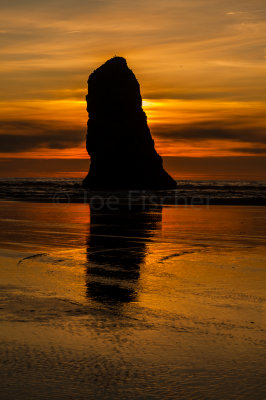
(189, 192)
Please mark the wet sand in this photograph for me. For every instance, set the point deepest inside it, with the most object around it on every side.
(163, 304)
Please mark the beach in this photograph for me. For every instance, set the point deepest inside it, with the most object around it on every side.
(133, 200)
(165, 303)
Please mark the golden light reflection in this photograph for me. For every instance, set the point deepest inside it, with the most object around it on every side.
(162, 260)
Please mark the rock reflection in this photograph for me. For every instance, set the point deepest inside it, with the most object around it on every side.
(117, 243)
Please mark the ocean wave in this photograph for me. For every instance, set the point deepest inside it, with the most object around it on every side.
(70, 190)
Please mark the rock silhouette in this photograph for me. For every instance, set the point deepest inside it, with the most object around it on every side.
(119, 141)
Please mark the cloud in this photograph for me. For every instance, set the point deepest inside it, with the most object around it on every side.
(250, 150)
(32, 135)
(25, 135)
(39, 53)
(240, 131)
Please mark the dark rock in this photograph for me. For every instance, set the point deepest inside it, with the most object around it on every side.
(119, 141)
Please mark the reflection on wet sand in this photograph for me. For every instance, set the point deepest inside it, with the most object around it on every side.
(175, 309)
(116, 250)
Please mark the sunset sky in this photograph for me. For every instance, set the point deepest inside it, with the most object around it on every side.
(201, 65)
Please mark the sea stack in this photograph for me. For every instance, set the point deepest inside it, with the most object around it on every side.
(119, 141)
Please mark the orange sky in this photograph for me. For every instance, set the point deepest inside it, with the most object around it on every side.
(201, 66)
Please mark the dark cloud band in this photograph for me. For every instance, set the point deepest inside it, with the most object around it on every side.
(32, 135)
(25, 135)
(243, 131)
